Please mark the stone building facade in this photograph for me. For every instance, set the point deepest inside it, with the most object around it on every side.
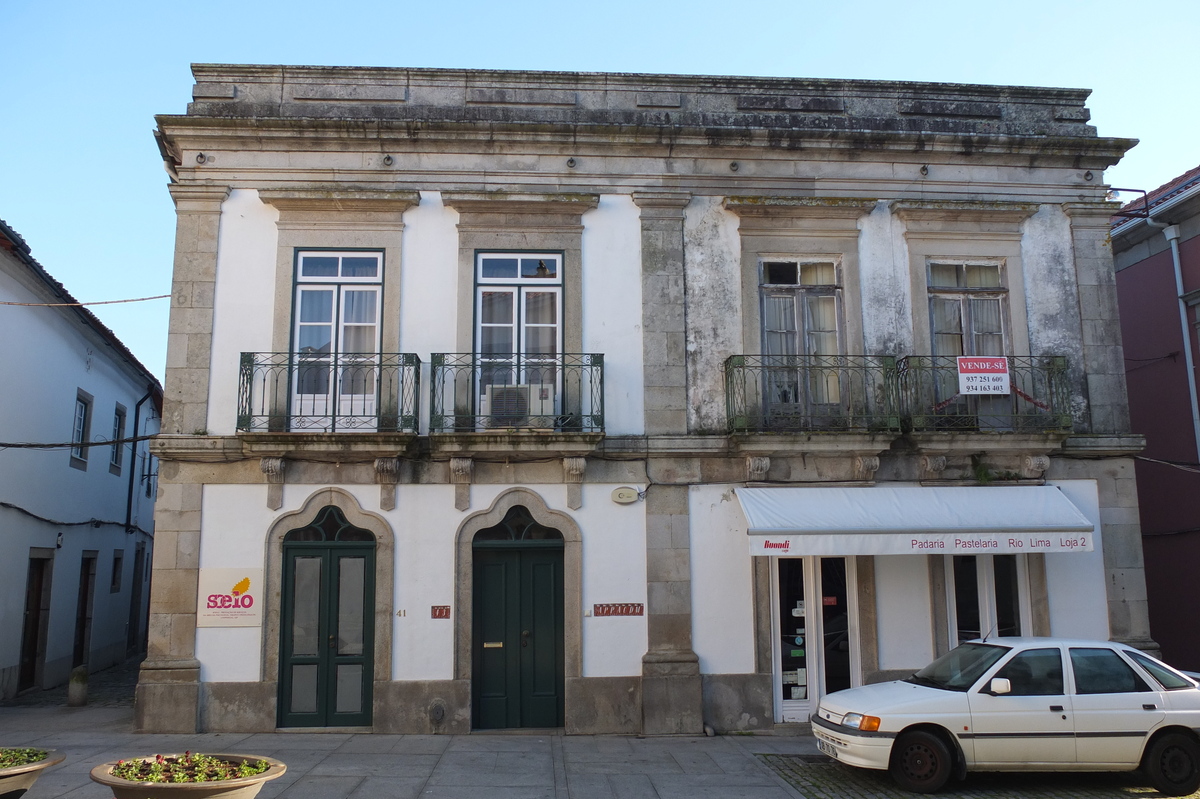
(646, 386)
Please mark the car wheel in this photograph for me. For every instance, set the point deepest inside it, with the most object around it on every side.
(921, 762)
(1173, 764)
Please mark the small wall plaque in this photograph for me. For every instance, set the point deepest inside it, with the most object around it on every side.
(439, 612)
(619, 609)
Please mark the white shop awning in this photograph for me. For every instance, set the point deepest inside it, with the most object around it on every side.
(904, 520)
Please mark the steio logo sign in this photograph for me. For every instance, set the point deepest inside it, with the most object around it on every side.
(229, 598)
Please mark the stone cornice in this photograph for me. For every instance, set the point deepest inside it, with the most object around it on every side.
(502, 202)
(1102, 446)
(1095, 214)
(269, 132)
(849, 208)
(524, 446)
(1012, 213)
(516, 446)
(198, 197)
(338, 198)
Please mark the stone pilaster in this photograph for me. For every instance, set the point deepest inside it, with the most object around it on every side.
(671, 685)
(1103, 353)
(189, 334)
(1109, 461)
(168, 691)
(664, 322)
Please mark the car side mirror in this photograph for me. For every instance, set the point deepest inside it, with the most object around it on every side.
(999, 686)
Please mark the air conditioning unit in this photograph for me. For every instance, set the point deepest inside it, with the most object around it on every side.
(528, 406)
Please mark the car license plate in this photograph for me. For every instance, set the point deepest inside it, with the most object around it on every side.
(826, 748)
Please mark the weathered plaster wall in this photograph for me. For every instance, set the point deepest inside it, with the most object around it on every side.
(712, 268)
(1052, 296)
(887, 302)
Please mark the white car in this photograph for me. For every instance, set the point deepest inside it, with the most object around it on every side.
(1022, 704)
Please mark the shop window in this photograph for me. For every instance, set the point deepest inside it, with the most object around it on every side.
(988, 596)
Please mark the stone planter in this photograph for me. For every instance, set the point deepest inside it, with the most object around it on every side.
(16, 780)
(241, 788)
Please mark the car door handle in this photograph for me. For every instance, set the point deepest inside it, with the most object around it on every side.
(1149, 707)
(1056, 708)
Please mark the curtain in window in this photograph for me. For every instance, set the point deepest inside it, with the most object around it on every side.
(987, 331)
(947, 327)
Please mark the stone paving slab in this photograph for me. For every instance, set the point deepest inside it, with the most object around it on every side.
(498, 766)
(827, 779)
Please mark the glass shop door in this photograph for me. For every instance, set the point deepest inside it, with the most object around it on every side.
(816, 641)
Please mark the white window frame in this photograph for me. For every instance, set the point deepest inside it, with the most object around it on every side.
(81, 428)
(520, 288)
(330, 402)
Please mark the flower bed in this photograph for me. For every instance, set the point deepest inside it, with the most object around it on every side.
(20, 768)
(187, 767)
(20, 757)
(195, 776)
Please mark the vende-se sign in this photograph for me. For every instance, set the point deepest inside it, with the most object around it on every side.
(978, 375)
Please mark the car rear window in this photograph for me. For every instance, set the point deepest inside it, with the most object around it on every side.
(1170, 679)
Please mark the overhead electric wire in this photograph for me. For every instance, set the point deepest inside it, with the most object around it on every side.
(82, 304)
(93, 522)
(1182, 465)
(71, 444)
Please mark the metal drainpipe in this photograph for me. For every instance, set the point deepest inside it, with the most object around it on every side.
(1171, 232)
(137, 410)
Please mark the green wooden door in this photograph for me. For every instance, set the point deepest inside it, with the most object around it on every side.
(327, 628)
(518, 635)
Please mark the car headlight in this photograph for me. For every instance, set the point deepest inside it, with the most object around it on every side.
(858, 721)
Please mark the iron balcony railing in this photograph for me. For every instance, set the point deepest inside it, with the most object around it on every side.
(794, 393)
(473, 392)
(323, 392)
(1039, 398)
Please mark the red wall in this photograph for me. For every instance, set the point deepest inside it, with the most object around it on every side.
(1160, 409)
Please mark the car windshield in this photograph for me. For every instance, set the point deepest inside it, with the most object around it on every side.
(958, 669)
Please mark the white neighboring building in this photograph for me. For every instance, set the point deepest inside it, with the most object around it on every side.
(77, 522)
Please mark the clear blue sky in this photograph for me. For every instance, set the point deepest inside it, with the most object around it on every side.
(81, 81)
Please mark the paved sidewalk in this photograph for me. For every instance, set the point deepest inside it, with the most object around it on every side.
(371, 766)
(367, 766)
